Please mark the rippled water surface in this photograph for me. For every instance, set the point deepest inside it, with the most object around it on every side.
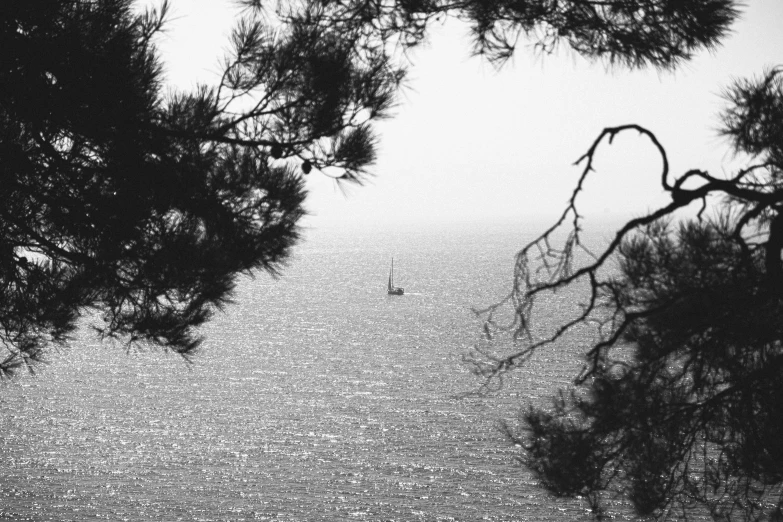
(316, 397)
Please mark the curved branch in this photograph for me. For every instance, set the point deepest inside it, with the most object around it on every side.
(557, 263)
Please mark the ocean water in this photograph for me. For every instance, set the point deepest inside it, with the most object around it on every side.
(316, 397)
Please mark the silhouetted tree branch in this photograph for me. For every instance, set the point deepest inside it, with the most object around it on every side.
(637, 33)
(679, 402)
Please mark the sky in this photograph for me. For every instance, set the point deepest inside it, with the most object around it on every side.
(470, 143)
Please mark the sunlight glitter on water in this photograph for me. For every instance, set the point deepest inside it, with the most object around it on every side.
(317, 397)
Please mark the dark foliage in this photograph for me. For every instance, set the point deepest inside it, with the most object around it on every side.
(680, 404)
(637, 33)
(141, 210)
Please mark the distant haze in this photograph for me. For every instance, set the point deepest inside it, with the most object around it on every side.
(470, 143)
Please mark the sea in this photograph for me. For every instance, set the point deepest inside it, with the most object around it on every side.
(315, 397)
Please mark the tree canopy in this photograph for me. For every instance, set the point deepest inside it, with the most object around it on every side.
(637, 33)
(140, 208)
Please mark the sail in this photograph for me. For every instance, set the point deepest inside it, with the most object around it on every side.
(391, 289)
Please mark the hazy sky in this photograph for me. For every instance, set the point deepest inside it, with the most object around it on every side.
(470, 143)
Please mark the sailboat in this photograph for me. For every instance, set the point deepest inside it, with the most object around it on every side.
(393, 290)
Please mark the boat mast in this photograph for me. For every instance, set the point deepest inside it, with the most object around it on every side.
(391, 272)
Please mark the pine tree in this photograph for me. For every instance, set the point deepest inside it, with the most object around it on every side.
(679, 406)
(141, 209)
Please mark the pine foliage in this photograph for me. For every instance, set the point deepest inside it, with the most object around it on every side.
(141, 208)
(679, 407)
(635, 33)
